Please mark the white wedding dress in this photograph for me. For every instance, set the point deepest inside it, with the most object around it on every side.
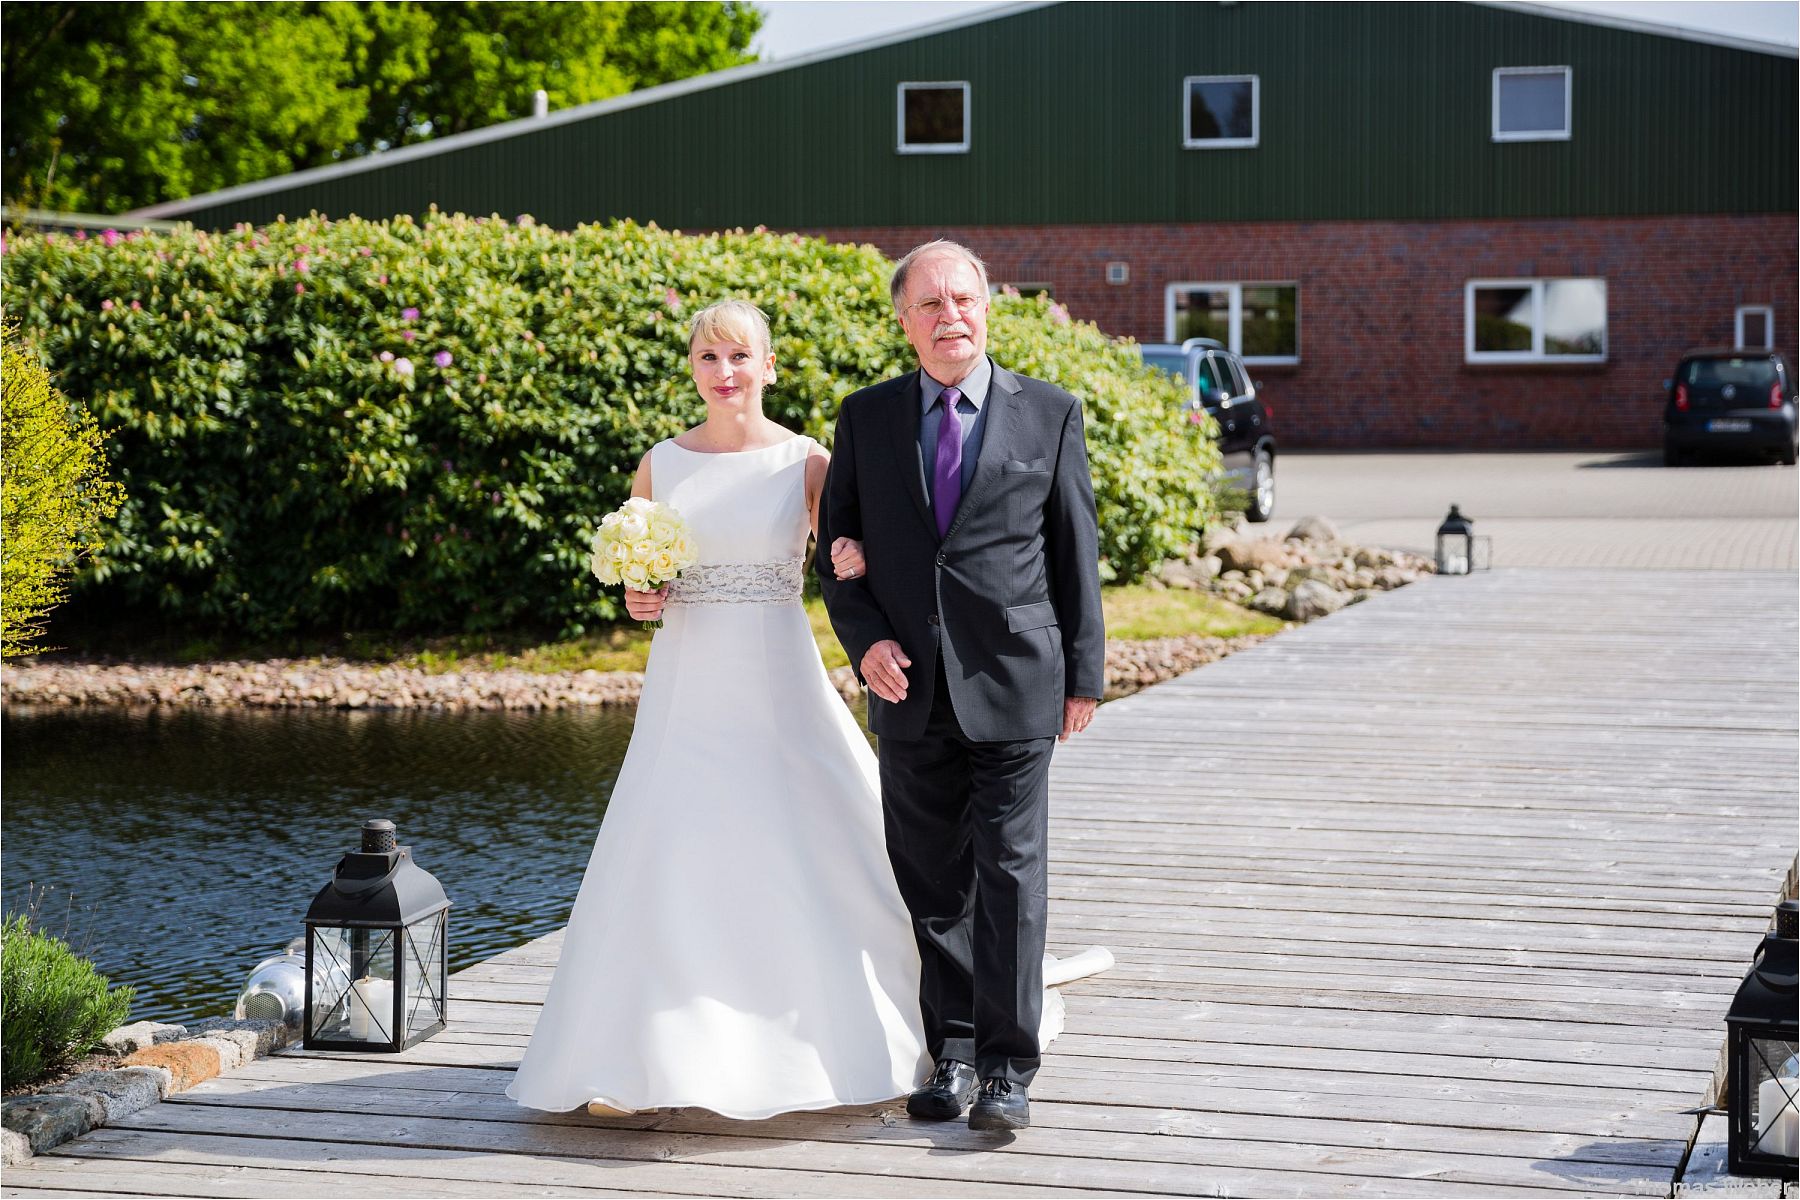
(738, 942)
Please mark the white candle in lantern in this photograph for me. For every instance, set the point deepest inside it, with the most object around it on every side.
(1779, 1121)
(371, 1014)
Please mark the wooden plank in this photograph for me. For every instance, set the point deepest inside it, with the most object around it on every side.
(1046, 1114)
(854, 1126)
(631, 1153)
(412, 1170)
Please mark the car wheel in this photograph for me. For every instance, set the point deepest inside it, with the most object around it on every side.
(1788, 454)
(1262, 488)
(1674, 456)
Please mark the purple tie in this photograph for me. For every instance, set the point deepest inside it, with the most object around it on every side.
(946, 474)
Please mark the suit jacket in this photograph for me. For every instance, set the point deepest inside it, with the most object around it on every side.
(1010, 595)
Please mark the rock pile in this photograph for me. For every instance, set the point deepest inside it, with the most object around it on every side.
(1308, 574)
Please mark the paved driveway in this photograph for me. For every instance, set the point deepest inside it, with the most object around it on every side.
(1556, 510)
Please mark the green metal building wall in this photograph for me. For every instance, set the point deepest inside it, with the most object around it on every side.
(1368, 111)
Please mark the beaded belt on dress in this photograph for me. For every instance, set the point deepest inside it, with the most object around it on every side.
(740, 583)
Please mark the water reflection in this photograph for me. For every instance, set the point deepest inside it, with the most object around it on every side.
(180, 846)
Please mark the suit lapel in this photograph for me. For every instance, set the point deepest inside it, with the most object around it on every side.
(1002, 402)
(904, 437)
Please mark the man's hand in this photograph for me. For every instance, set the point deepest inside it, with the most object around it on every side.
(847, 558)
(645, 606)
(881, 670)
(1077, 712)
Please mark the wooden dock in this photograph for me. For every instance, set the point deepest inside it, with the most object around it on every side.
(1444, 895)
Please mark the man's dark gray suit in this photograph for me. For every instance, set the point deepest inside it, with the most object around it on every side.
(1001, 619)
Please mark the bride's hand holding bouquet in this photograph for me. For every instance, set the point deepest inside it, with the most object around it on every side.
(644, 545)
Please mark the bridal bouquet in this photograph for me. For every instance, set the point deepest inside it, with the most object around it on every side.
(643, 545)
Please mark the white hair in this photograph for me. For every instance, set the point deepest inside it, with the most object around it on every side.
(903, 268)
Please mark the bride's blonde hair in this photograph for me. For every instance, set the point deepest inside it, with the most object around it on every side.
(731, 321)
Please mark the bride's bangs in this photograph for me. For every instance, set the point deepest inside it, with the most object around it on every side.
(731, 321)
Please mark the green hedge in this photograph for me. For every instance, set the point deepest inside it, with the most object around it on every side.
(285, 472)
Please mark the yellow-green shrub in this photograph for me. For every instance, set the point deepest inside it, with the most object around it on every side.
(54, 494)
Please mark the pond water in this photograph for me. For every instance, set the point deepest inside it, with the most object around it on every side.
(179, 847)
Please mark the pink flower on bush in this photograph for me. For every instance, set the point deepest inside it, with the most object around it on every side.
(106, 306)
(381, 279)
(408, 314)
(136, 307)
(110, 236)
(481, 377)
(302, 266)
(81, 235)
(404, 367)
(408, 334)
(442, 358)
(364, 251)
(530, 336)
(299, 289)
(671, 299)
(1059, 315)
(386, 356)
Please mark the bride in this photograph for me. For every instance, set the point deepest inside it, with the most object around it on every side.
(738, 942)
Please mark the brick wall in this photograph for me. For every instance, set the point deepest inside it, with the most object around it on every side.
(1381, 312)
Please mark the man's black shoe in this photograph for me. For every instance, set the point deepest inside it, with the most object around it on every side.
(1002, 1105)
(944, 1096)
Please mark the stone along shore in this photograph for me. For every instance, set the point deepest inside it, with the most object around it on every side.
(1308, 575)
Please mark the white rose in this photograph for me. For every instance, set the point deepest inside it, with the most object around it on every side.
(636, 575)
(663, 566)
(619, 552)
(643, 552)
(640, 506)
(633, 527)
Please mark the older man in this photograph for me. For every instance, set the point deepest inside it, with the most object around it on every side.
(978, 633)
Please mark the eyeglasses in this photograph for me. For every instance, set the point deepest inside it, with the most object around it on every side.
(934, 307)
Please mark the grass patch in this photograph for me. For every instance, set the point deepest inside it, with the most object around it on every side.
(1132, 613)
(1138, 613)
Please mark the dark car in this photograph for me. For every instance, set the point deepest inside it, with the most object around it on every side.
(1738, 402)
(1218, 383)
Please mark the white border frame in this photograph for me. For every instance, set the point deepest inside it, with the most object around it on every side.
(1190, 142)
(900, 143)
(1535, 355)
(1567, 132)
(1768, 312)
(1235, 327)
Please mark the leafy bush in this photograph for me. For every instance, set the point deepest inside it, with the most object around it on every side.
(416, 425)
(54, 1007)
(53, 494)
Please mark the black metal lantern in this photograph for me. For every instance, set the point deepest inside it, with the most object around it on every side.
(376, 941)
(1763, 1060)
(1459, 551)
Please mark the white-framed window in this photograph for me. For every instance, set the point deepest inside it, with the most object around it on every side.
(1220, 112)
(1755, 327)
(932, 118)
(1534, 320)
(1533, 104)
(1260, 322)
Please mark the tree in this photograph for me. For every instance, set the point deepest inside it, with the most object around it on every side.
(114, 106)
(54, 494)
